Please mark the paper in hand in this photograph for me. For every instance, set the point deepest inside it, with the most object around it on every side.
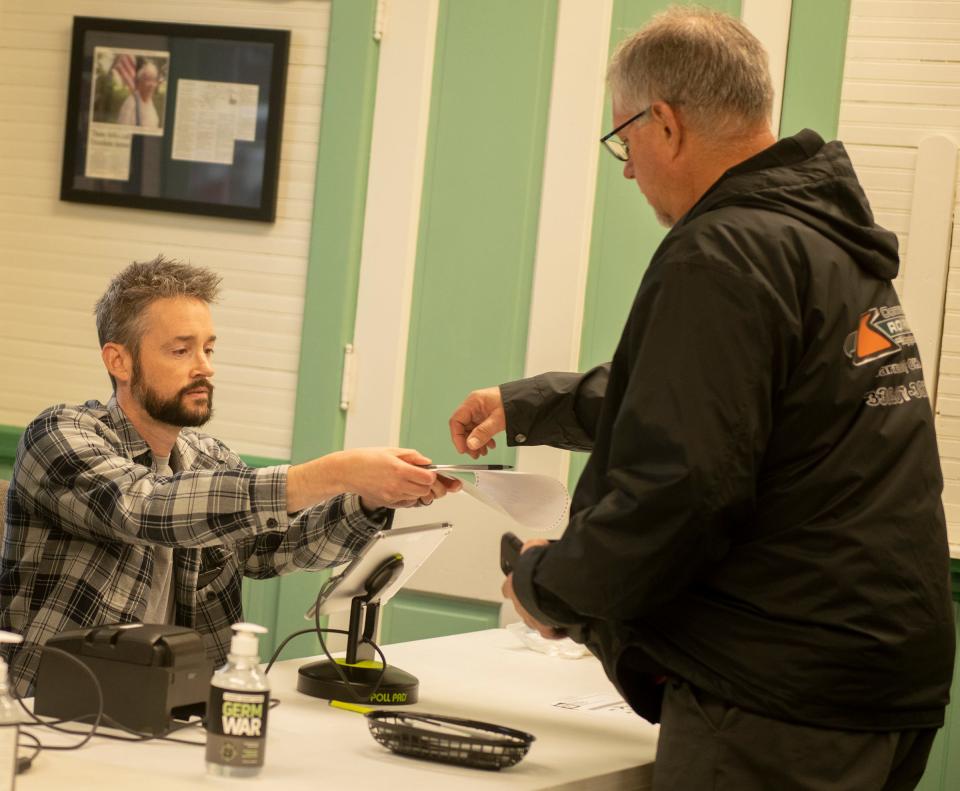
(535, 501)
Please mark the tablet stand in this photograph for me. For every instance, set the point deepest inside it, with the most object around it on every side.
(359, 666)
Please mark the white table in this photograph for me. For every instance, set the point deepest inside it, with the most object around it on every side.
(483, 675)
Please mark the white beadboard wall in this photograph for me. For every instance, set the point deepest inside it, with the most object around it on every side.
(901, 84)
(56, 257)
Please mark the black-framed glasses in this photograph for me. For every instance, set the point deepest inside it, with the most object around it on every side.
(614, 144)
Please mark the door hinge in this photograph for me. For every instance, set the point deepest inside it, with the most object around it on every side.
(348, 376)
(380, 20)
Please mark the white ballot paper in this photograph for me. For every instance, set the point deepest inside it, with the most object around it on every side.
(536, 501)
(598, 703)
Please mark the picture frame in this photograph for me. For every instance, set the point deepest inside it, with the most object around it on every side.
(175, 117)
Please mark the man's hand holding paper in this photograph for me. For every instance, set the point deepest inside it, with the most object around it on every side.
(476, 420)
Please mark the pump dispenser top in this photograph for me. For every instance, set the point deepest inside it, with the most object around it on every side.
(7, 637)
(9, 723)
(245, 641)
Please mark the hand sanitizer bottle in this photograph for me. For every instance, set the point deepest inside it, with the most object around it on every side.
(9, 723)
(237, 708)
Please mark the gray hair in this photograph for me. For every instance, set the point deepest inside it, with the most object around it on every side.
(704, 61)
(121, 310)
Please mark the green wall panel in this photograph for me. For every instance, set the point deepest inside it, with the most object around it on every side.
(814, 75)
(943, 766)
(948, 740)
(415, 616)
(481, 203)
(332, 275)
(333, 265)
(9, 437)
(259, 599)
(625, 230)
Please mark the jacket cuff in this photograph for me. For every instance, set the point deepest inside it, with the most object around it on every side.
(522, 400)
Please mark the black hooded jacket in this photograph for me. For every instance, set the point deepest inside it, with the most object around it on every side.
(761, 513)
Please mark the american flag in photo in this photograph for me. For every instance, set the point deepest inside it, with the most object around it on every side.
(126, 67)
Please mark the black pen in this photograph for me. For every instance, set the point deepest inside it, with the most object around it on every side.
(466, 467)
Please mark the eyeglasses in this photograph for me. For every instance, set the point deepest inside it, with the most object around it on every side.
(615, 145)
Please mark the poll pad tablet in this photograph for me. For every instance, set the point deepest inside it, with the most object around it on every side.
(415, 544)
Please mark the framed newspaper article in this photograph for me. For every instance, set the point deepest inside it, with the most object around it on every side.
(183, 118)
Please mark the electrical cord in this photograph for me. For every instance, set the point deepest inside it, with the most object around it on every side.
(25, 762)
(319, 631)
(99, 717)
(336, 665)
(330, 582)
(135, 736)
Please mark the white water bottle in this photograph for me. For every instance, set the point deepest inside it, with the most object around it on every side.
(237, 708)
(9, 722)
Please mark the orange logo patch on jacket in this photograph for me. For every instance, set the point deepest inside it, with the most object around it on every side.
(880, 332)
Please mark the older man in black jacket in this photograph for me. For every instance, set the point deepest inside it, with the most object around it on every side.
(759, 522)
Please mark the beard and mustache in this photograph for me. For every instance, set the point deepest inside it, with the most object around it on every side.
(172, 410)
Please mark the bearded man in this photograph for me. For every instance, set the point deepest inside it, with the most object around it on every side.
(124, 513)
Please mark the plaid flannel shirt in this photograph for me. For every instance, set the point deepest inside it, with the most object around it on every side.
(85, 513)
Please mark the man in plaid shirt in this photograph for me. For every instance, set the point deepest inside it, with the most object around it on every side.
(123, 512)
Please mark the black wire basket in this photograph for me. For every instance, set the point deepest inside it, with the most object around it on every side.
(450, 740)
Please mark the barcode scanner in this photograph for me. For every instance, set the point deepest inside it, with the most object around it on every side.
(510, 546)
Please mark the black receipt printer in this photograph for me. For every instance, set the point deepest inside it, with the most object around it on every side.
(150, 674)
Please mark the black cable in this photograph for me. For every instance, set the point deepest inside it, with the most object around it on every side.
(135, 736)
(343, 677)
(25, 762)
(319, 631)
(287, 639)
(330, 582)
(319, 635)
(99, 717)
(110, 722)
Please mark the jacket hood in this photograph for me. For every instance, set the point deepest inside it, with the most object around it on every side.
(813, 182)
